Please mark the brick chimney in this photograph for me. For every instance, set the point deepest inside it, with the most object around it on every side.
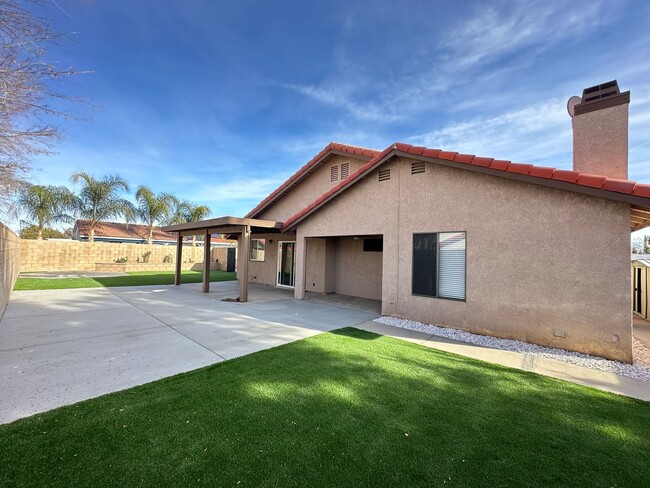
(600, 126)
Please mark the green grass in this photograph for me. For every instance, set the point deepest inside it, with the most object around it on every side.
(348, 408)
(133, 279)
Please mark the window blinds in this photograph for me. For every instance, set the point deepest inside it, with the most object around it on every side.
(451, 263)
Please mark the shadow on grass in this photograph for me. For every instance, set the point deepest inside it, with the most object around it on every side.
(338, 409)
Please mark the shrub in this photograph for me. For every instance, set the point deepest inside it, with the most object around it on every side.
(123, 259)
(168, 259)
(146, 256)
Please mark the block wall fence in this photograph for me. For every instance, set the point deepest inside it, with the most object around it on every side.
(10, 245)
(47, 255)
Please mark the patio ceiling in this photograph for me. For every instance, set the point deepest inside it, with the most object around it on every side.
(224, 225)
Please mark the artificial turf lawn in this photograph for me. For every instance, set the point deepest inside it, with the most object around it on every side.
(133, 279)
(347, 408)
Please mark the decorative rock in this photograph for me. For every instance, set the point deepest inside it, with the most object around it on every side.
(640, 369)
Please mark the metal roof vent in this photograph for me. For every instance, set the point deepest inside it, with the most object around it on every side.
(417, 167)
(598, 97)
(597, 92)
(384, 174)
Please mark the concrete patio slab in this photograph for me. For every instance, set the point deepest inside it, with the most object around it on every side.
(62, 346)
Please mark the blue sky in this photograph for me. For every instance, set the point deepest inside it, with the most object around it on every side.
(219, 102)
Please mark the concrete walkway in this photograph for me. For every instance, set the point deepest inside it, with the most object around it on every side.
(602, 380)
(59, 347)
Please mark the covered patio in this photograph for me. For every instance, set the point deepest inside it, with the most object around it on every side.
(231, 226)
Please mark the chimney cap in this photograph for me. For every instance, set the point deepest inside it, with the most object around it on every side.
(601, 96)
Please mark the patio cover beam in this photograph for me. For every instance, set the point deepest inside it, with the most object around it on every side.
(223, 222)
(223, 225)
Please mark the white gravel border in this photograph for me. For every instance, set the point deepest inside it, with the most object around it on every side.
(639, 370)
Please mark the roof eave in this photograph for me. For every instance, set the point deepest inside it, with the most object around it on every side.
(300, 176)
(536, 180)
(359, 177)
(635, 200)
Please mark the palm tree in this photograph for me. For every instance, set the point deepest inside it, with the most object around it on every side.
(179, 212)
(185, 211)
(43, 206)
(99, 199)
(197, 212)
(153, 209)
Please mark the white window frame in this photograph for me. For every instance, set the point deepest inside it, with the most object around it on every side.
(438, 267)
(255, 250)
(279, 265)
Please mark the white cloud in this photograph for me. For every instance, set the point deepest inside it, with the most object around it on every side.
(540, 132)
(494, 33)
(491, 35)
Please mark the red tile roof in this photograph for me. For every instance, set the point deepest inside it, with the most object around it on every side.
(576, 179)
(331, 148)
(120, 230)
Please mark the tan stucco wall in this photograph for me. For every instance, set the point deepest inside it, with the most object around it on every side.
(339, 265)
(9, 264)
(600, 142)
(358, 273)
(539, 260)
(266, 271)
(308, 190)
(315, 271)
(83, 256)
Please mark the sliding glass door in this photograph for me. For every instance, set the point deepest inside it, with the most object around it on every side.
(286, 263)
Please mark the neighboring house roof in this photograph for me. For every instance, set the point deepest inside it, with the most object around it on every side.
(621, 190)
(120, 230)
(333, 148)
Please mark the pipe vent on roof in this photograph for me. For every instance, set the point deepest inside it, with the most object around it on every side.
(384, 174)
(417, 167)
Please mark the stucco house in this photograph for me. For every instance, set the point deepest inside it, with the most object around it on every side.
(489, 246)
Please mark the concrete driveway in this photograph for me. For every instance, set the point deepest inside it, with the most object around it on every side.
(61, 346)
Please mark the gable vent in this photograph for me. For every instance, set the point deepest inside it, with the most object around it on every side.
(334, 173)
(417, 167)
(345, 171)
(384, 174)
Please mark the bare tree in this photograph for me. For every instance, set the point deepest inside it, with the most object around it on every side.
(29, 95)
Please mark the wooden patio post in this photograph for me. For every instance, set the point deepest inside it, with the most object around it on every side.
(179, 259)
(206, 261)
(242, 273)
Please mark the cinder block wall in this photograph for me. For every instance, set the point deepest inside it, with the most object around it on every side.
(9, 264)
(82, 256)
